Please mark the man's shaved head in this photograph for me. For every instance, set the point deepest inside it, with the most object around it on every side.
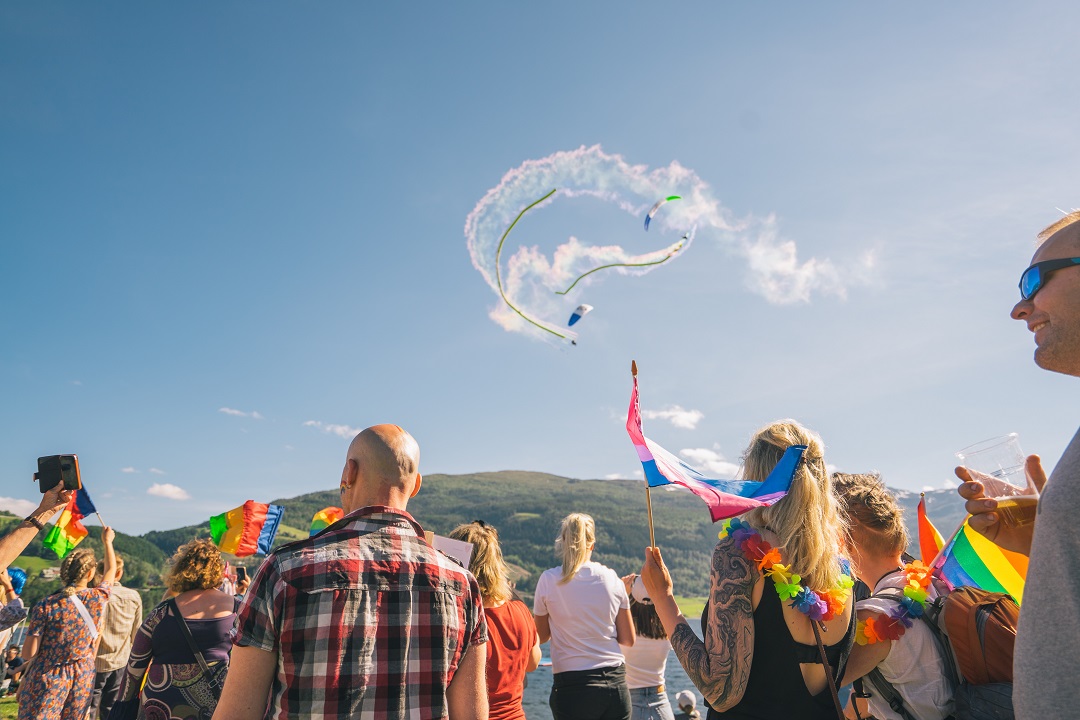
(381, 468)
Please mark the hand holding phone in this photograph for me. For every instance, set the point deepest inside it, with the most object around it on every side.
(55, 470)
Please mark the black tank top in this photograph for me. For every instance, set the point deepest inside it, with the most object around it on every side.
(775, 688)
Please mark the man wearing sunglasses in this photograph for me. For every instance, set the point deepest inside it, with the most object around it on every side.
(1045, 680)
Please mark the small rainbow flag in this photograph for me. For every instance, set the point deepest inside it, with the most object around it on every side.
(69, 530)
(973, 561)
(725, 498)
(246, 530)
(325, 518)
(930, 541)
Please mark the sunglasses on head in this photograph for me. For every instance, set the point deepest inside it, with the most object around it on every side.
(1036, 276)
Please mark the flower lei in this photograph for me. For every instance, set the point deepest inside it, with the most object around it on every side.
(818, 606)
(880, 627)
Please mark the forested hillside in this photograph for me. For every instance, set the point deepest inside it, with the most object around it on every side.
(526, 507)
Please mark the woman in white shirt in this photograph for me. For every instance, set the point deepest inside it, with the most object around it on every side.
(646, 661)
(583, 609)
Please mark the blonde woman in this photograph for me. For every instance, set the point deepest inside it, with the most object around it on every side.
(582, 608)
(61, 641)
(760, 656)
(912, 664)
(513, 647)
(184, 641)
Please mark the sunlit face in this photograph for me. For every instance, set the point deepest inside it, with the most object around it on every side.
(1053, 314)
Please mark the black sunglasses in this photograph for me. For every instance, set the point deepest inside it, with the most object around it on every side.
(1036, 276)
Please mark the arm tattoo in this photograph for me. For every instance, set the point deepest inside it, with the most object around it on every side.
(720, 666)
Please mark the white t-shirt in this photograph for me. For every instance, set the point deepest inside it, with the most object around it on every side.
(913, 666)
(581, 614)
(646, 662)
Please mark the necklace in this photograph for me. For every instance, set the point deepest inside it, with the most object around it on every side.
(880, 627)
(818, 606)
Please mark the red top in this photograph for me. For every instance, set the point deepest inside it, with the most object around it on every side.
(511, 638)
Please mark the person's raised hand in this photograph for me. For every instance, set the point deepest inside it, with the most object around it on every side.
(107, 534)
(985, 519)
(628, 582)
(655, 574)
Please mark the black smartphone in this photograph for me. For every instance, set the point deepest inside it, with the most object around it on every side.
(56, 469)
(241, 573)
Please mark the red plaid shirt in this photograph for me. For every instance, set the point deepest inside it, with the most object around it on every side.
(366, 618)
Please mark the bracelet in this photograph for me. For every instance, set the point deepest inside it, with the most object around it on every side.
(34, 521)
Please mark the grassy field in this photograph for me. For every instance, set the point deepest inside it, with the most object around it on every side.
(9, 709)
(691, 606)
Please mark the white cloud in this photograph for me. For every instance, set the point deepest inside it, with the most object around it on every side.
(530, 277)
(156, 471)
(635, 475)
(254, 414)
(676, 415)
(128, 469)
(168, 490)
(710, 462)
(76, 382)
(343, 431)
(17, 506)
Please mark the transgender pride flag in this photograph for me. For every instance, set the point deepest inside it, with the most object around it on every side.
(725, 498)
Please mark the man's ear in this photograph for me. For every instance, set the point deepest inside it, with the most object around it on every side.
(419, 482)
(348, 474)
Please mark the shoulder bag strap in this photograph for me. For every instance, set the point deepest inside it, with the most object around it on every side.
(828, 671)
(173, 608)
(85, 615)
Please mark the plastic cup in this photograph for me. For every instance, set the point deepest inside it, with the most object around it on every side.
(998, 463)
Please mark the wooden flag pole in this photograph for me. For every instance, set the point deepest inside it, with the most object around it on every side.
(648, 490)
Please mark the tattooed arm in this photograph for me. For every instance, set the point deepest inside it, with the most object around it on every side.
(720, 666)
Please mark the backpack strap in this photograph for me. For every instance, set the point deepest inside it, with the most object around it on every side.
(81, 607)
(889, 694)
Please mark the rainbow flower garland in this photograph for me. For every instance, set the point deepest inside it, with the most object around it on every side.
(880, 627)
(817, 606)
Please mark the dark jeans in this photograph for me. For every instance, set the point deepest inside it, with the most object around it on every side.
(106, 685)
(599, 694)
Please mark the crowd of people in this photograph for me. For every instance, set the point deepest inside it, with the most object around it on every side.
(367, 619)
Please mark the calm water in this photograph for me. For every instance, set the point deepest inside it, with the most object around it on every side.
(536, 694)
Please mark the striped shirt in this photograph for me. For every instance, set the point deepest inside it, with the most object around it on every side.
(367, 620)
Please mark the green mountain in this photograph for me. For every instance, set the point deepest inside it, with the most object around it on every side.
(527, 508)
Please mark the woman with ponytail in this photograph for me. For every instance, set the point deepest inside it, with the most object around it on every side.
(582, 607)
(778, 583)
(61, 639)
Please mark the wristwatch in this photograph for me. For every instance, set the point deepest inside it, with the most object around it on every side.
(34, 521)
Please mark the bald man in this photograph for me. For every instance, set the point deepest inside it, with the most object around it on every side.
(1044, 679)
(365, 619)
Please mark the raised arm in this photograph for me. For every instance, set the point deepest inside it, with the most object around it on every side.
(720, 666)
(12, 544)
(107, 537)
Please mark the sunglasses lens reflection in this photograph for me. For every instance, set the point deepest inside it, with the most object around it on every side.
(1029, 283)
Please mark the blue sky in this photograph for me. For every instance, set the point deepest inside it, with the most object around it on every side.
(262, 209)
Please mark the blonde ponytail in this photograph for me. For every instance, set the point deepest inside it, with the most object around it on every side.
(576, 538)
(76, 566)
(807, 520)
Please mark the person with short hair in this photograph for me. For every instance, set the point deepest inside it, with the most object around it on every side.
(123, 616)
(61, 639)
(760, 656)
(583, 609)
(513, 645)
(912, 664)
(164, 676)
(1044, 681)
(364, 619)
(13, 668)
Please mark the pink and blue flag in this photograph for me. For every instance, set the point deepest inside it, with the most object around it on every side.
(725, 498)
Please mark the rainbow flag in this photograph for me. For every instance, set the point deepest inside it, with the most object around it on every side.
(246, 530)
(930, 542)
(971, 560)
(725, 498)
(325, 518)
(69, 530)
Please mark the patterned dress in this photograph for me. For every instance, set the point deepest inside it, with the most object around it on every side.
(58, 683)
(175, 686)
